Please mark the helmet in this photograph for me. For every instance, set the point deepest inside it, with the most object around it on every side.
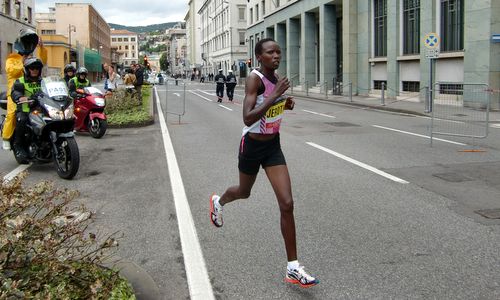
(82, 70)
(68, 68)
(32, 63)
(27, 41)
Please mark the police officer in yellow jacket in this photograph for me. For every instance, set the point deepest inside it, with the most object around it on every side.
(22, 92)
(25, 44)
(78, 82)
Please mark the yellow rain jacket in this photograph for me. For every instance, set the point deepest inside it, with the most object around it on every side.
(14, 67)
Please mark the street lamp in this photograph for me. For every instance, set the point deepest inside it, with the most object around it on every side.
(99, 52)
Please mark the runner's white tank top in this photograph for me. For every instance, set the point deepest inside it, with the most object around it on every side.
(271, 121)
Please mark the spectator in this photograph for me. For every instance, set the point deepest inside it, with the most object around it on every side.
(139, 81)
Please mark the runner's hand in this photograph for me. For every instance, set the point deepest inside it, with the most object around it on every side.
(281, 86)
(289, 103)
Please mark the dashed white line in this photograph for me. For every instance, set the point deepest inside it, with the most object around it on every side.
(419, 135)
(196, 271)
(225, 107)
(359, 164)
(202, 97)
(319, 114)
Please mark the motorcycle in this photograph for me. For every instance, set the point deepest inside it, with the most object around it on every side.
(50, 134)
(89, 112)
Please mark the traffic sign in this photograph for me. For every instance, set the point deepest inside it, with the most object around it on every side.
(432, 53)
(432, 40)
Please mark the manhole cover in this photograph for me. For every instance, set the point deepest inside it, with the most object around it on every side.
(342, 124)
(489, 213)
(452, 177)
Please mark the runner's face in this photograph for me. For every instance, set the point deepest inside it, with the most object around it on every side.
(271, 55)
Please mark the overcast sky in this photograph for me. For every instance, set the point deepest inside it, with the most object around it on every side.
(130, 13)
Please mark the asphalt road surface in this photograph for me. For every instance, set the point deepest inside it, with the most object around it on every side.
(379, 213)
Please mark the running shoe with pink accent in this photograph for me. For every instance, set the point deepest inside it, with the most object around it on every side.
(300, 277)
(216, 211)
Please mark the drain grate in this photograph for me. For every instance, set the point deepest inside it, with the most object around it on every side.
(489, 213)
(342, 124)
(452, 177)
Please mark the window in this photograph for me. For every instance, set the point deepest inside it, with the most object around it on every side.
(263, 4)
(7, 7)
(132, 39)
(120, 39)
(30, 15)
(18, 11)
(241, 14)
(451, 89)
(377, 84)
(452, 25)
(126, 47)
(411, 86)
(9, 48)
(119, 47)
(48, 31)
(257, 12)
(133, 47)
(251, 15)
(277, 3)
(242, 38)
(125, 39)
(113, 39)
(411, 26)
(380, 27)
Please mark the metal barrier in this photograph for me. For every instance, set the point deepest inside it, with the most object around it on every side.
(175, 92)
(460, 110)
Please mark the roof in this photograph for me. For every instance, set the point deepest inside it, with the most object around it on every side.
(121, 32)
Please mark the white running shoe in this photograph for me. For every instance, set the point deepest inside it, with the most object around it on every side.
(6, 145)
(300, 277)
(216, 211)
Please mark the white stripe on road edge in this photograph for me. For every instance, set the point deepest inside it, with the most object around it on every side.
(420, 135)
(16, 172)
(177, 94)
(319, 114)
(205, 92)
(204, 98)
(358, 163)
(225, 107)
(196, 270)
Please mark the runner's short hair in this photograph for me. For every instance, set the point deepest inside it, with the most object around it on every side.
(259, 46)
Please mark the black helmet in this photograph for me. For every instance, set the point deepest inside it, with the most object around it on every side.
(82, 70)
(32, 63)
(27, 41)
(68, 68)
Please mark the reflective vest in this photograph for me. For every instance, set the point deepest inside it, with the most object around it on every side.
(79, 84)
(30, 88)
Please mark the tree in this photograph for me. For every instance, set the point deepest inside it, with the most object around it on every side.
(164, 61)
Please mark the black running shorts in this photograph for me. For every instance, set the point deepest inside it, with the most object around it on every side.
(254, 153)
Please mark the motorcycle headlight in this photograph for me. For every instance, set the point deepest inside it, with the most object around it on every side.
(54, 113)
(100, 101)
(69, 112)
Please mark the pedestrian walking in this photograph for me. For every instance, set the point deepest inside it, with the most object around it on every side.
(139, 81)
(263, 108)
(230, 85)
(220, 80)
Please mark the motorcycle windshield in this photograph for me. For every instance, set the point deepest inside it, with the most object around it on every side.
(93, 91)
(55, 87)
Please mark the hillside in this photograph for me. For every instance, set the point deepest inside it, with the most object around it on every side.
(145, 29)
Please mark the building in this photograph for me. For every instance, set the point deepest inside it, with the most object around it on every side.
(223, 43)
(371, 43)
(14, 16)
(177, 50)
(88, 35)
(126, 44)
(58, 53)
(193, 36)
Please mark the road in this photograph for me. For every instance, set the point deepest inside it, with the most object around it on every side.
(379, 213)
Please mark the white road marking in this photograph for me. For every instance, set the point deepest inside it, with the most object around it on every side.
(204, 92)
(319, 114)
(420, 135)
(16, 172)
(177, 94)
(225, 107)
(358, 163)
(202, 97)
(495, 125)
(196, 270)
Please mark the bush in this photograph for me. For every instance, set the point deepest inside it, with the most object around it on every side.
(123, 109)
(46, 250)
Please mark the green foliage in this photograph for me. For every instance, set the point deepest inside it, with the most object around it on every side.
(123, 108)
(46, 249)
(143, 29)
(164, 61)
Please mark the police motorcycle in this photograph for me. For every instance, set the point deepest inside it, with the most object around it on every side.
(50, 134)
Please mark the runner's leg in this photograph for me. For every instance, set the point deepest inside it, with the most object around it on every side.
(241, 191)
(280, 181)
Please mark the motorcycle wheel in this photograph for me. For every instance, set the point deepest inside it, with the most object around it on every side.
(67, 160)
(97, 128)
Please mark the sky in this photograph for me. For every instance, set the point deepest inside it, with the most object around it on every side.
(129, 12)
